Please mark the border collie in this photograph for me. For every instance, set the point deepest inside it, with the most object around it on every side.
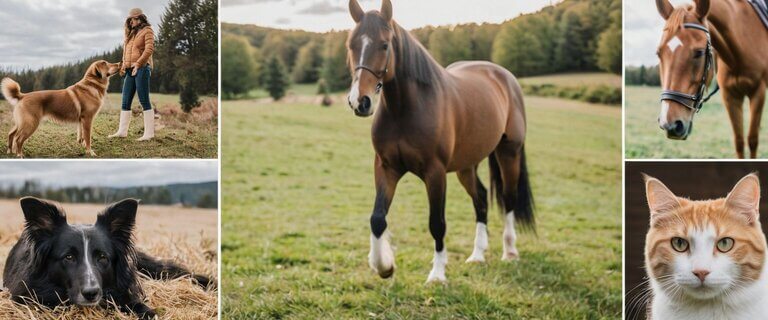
(56, 263)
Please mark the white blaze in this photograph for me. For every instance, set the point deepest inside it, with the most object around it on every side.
(674, 43)
(354, 93)
(663, 113)
(90, 277)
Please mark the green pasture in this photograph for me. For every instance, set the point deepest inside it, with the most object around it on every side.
(177, 135)
(575, 79)
(712, 135)
(298, 192)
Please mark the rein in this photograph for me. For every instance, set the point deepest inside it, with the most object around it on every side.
(379, 75)
(696, 102)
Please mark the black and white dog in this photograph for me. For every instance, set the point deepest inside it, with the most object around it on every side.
(57, 263)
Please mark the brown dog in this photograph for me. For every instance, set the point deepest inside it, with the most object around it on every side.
(78, 103)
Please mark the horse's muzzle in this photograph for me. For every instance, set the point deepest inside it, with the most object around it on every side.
(677, 130)
(364, 108)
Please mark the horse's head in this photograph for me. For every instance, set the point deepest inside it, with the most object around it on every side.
(370, 57)
(686, 65)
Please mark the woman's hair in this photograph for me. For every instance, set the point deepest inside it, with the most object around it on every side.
(130, 32)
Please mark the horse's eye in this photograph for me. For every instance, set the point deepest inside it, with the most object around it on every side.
(385, 46)
(698, 53)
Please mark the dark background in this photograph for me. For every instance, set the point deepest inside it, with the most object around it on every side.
(693, 180)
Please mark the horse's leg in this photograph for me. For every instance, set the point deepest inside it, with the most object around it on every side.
(508, 155)
(381, 259)
(733, 104)
(435, 182)
(479, 194)
(756, 101)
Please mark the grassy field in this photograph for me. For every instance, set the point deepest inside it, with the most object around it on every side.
(188, 236)
(177, 134)
(712, 135)
(297, 195)
(575, 79)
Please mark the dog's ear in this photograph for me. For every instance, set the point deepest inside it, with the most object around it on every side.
(41, 216)
(97, 72)
(119, 219)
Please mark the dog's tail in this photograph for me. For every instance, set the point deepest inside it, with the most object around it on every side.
(11, 91)
(166, 269)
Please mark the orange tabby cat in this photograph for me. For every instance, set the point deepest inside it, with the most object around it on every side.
(706, 259)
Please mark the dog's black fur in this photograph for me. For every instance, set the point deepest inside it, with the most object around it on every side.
(48, 264)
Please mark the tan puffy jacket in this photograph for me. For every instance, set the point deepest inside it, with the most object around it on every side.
(139, 48)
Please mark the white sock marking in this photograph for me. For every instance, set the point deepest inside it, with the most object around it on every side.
(481, 243)
(438, 267)
(510, 236)
(381, 258)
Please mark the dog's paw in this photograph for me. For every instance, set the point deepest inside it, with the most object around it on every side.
(90, 153)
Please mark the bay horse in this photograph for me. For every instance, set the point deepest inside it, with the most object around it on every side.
(431, 121)
(692, 35)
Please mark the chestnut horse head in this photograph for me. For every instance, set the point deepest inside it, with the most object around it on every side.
(369, 55)
(686, 65)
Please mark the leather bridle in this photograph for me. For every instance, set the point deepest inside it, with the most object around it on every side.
(379, 75)
(696, 101)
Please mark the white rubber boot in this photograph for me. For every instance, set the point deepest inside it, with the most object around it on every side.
(122, 130)
(149, 125)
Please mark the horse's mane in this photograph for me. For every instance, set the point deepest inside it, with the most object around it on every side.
(413, 60)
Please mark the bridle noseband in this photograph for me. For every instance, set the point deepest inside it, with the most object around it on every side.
(695, 102)
(379, 75)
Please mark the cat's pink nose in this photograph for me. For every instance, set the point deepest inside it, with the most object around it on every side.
(701, 274)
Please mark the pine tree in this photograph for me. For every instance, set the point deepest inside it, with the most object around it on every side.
(276, 78)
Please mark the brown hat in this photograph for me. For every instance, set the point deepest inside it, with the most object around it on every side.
(135, 12)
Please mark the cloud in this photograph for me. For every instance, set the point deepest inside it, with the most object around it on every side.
(50, 32)
(322, 8)
(108, 173)
(283, 21)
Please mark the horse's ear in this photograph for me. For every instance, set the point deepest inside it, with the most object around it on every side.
(386, 10)
(355, 10)
(665, 8)
(702, 8)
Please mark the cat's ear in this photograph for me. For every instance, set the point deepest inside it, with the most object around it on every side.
(660, 199)
(745, 197)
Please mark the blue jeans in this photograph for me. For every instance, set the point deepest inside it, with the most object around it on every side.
(138, 83)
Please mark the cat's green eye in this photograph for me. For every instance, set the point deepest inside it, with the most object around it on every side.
(679, 244)
(725, 245)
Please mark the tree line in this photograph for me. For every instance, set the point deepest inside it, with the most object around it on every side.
(185, 58)
(571, 36)
(642, 75)
(203, 196)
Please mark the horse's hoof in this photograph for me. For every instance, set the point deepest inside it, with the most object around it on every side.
(436, 279)
(475, 259)
(510, 256)
(386, 274)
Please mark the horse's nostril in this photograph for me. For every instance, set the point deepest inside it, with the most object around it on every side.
(365, 104)
(679, 128)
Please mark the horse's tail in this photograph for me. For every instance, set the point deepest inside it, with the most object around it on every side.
(11, 91)
(522, 201)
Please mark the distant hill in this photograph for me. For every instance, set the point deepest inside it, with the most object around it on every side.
(202, 195)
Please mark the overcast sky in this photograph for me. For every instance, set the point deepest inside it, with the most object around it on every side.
(642, 31)
(324, 15)
(107, 173)
(49, 32)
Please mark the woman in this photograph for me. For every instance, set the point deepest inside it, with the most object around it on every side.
(138, 46)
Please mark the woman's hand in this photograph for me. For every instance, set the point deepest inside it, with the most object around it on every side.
(134, 69)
